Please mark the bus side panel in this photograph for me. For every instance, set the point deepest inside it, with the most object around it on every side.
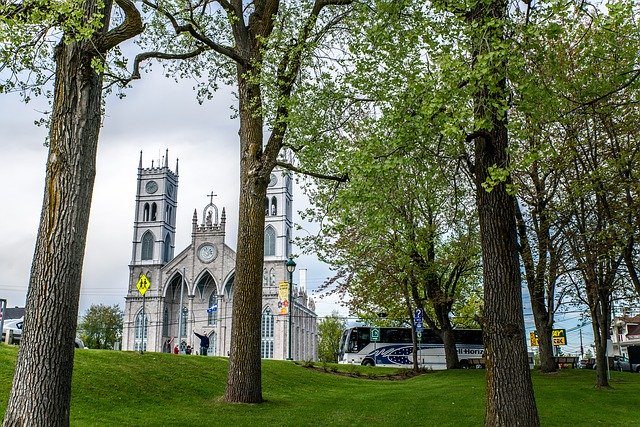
(430, 356)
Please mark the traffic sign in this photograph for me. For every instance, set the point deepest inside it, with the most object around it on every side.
(418, 315)
(375, 334)
(143, 284)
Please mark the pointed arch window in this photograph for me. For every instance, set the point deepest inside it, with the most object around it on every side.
(166, 256)
(265, 278)
(145, 212)
(267, 334)
(288, 244)
(213, 344)
(165, 322)
(147, 246)
(266, 206)
(140, 334)
(272, 277)
(269, 241)
(154, 211)
(274, 206)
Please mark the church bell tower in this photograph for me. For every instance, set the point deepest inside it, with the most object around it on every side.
(154, 226)
(278, 226)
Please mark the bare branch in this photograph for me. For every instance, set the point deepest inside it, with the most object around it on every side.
(289, 166)
(191, 30)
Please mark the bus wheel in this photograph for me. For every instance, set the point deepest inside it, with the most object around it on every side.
(367, 362)
(464, 364)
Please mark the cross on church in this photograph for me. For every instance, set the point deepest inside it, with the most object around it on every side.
(211, 196)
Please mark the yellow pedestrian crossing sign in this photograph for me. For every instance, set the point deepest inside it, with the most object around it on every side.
(143, 284)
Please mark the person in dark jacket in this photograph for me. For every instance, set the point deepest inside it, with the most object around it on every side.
(204, 342)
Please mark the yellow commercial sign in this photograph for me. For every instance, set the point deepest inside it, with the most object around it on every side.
(559, 337)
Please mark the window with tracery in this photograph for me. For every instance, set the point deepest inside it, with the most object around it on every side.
(267, 334)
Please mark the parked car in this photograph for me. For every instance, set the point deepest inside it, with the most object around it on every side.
(14, 325)
(622, 364)
(587, 363)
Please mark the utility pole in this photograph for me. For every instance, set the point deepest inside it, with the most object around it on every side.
(581, 348)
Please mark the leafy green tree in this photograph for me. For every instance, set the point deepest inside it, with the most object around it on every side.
(329, 334)
(461, 50)
(101, 326)
(261, 47)
(83, 35)
(583, 196)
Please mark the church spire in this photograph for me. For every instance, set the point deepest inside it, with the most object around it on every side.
(166, 158)
(140, 163)
(177, 166)
(194, 225)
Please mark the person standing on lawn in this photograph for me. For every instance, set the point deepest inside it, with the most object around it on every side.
(204, 342)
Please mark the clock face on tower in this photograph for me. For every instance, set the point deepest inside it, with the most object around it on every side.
(151, 187)
(207, 252)
(170, 189)
(273, 180)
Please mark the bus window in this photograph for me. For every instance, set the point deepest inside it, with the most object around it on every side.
(355, 340)
(430, 337)
(468, 336)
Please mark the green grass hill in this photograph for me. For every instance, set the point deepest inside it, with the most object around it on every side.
(113, 388)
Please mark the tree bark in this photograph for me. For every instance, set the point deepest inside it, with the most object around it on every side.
(450, 348)
(41, 391)
(244, 382)
(509, 394)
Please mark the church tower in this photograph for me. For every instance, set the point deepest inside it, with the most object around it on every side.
(278, 206)
(154, 226)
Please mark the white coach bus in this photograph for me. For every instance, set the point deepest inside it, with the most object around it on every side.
(394, 347)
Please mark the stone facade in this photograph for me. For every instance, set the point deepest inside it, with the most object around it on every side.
(200, 278)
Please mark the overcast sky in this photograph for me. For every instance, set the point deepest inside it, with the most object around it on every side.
(156, 115)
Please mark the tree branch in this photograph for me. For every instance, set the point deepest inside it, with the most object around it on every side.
(289, 166)
(130, 27)
(191, 30)
(288, 70)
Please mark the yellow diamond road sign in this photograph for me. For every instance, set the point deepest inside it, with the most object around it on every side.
(143, 284)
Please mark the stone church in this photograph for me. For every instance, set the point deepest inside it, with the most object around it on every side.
(192, 292)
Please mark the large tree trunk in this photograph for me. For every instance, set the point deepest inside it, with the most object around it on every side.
(600, 315)
(545, 343)
(509, 394)
(450, 349)
(41, 391)
(540, 272)
(244, 382)
(510, 400)
(414, 334)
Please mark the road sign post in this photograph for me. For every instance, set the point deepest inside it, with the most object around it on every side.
(375, 337)
(143, 285)
(418, 317)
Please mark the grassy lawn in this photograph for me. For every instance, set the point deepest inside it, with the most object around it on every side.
(129, 389)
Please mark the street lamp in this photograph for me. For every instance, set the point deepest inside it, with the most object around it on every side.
(291, 266)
